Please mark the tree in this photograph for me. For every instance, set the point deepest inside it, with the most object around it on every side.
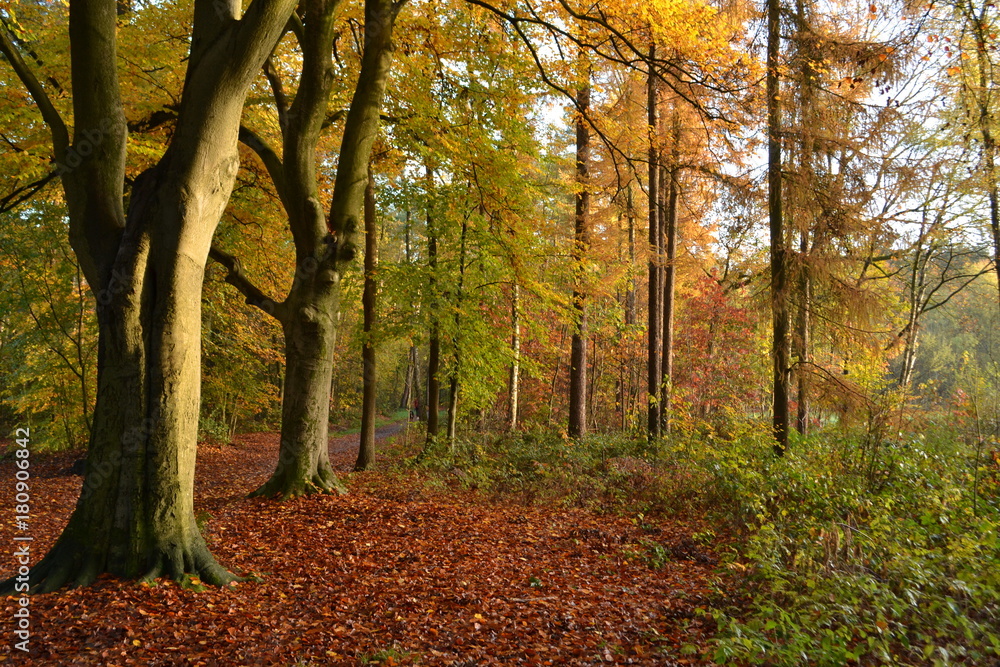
(366, 450)
(581, 242)
(324, 244)
(779, 268)
(146, 269)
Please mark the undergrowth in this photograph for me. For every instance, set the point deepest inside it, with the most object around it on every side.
(850, 553)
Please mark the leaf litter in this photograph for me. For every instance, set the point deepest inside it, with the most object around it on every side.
(396, 572)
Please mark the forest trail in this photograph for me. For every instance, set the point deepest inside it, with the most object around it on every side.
(399, 571)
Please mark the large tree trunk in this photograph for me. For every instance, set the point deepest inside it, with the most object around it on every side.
(310, 337)
(779, 273)
(135, 514)
(324, 245)
(366, 449)
(581, 243)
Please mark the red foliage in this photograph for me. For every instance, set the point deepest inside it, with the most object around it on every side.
(716, 351)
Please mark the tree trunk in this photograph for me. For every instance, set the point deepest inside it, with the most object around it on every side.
(515, 364)
(779, 275)
(324, 245)
(366, 449)
(803, 340)
(669, 178)
(989, 150)
(581, 244)
(434, 351)
(457, 342)
(654, 329)
(135, 513)
(310, 336)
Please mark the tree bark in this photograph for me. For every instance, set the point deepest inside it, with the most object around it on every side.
(515, 364)
(654, 329)
(581, 244)
(456, 370)
(135, 514)
(669, 224)
(434, 344)
(366, 449)
(779, 275)
(803, 340)
(324, 245)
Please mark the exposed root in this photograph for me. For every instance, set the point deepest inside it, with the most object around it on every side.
(281, 488)
(285, 484)
(76, 566)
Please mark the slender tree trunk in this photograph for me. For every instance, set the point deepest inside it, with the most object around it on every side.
(515, 364)
(366, 450)
(669, 178)
(802, 337)
(411, 382)
(630, 301)
(581, 245)
(456, 371)
(434, 352)
(918, 277)
(779, 275)
(654, 329)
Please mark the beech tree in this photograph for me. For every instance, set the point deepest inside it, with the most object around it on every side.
(324, 244)
(135, 514)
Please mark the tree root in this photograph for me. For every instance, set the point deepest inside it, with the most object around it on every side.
(75, 565)
(283, 487)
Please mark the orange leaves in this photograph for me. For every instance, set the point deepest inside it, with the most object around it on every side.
(392, 574)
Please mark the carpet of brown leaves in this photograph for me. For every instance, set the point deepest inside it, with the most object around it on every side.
(397, 572)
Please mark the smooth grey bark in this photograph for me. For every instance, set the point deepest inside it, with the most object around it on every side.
(324, 245)
(366, 448)
(581, 244)
(135, 514)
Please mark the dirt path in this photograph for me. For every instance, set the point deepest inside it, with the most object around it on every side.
(395, 572)
(340, 444)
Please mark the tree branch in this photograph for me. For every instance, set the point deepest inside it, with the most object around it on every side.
(268, 156)
(254, 295)
(60, 135)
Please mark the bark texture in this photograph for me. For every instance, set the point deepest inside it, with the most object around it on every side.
(581, 243)
(780, 348)
(135, 514)
(366, 448)
(653, 368)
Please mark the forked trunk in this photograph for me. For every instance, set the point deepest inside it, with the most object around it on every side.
(135, 515)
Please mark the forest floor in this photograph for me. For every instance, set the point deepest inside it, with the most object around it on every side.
(398, 571)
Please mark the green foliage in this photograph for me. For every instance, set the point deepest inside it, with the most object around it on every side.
(388, 656)
(848, 552)
(902, 573)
